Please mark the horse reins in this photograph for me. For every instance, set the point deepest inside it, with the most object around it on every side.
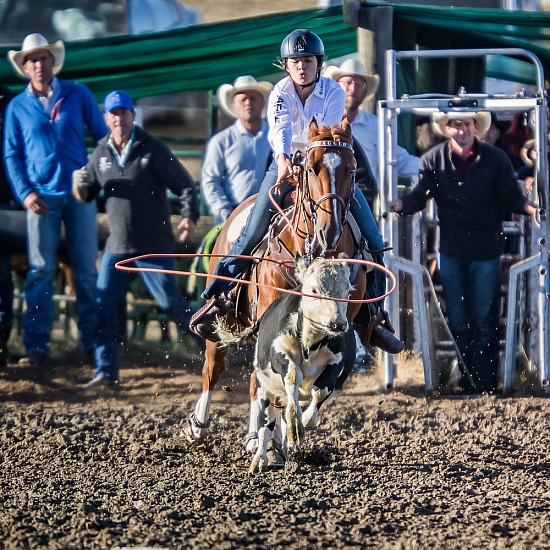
(303, 191)
(314, 206)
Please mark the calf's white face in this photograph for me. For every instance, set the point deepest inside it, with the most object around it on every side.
(325, 278)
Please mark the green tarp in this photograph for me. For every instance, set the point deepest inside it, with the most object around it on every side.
(195, 58)
(450, 27)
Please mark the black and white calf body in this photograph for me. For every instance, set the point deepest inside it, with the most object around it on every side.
(305, 350)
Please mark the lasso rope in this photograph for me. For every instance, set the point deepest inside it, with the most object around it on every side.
(122, 265)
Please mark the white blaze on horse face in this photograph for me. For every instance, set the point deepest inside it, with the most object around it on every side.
(332, 161)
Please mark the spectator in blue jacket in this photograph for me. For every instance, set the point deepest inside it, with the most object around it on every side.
(44, 143)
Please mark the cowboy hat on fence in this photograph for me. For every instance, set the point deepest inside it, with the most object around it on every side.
(440, 121)
(353, 67)
(247, 83)
(32, 43)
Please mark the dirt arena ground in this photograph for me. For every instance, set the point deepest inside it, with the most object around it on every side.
(384, 470)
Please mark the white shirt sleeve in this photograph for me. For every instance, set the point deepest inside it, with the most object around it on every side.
(279, 115)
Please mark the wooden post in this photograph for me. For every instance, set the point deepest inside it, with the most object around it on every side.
(381, 19)
(375, 35)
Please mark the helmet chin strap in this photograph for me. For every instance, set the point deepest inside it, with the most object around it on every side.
(312, 83)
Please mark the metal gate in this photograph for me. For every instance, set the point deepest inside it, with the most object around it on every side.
(530, 274)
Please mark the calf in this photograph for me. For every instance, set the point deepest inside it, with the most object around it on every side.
(305, 350)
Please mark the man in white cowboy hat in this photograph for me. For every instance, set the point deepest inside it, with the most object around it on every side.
(44, 143)
(474, 186)
(237, 158)
(359, 86)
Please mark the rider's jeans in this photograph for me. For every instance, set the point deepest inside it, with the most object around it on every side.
(258, 224)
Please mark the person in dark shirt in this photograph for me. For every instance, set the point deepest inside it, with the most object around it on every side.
(474, 186)
(135, 170)
(7, 203)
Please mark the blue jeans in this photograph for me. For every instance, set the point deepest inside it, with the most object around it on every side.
(471, 290)
(43, 236)
(112, 285)
(258, 224)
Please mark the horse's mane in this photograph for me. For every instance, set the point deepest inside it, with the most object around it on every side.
(334, 133)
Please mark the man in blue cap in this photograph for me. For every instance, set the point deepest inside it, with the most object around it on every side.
(135, 171)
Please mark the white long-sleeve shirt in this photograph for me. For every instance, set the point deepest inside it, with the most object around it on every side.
(289, 119)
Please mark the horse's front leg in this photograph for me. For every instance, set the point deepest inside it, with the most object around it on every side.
(251, 439)
(198, 423)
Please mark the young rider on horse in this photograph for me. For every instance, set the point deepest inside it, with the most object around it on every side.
(294, 101)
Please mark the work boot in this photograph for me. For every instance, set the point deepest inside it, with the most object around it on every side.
(202, 322)
(380, 332)
(35, 359)
(383, 338)
(99, 382)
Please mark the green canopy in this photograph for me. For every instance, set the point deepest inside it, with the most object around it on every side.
(195, 58)
(450, 27)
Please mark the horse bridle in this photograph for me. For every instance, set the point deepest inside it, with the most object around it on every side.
(314, 206)
(329, 196)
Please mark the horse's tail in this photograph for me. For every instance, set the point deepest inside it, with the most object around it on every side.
(227, 336)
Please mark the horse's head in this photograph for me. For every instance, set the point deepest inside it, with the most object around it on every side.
(329, 181)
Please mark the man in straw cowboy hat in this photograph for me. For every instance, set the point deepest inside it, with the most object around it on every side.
(236, 158)
(360, 86)
(474, 186)
(44, 142)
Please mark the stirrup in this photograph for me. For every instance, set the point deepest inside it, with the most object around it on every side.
(202, 322)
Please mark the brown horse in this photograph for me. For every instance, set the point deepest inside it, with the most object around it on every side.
(316, 225)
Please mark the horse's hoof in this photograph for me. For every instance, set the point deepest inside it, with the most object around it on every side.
(195, 431)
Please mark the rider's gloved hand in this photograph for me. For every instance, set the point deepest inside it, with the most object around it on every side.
(284, 171)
